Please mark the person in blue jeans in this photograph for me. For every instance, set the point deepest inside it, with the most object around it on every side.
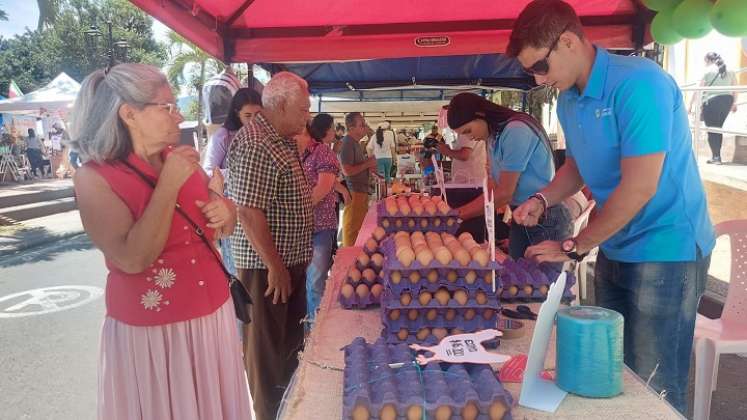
(520, 164)
(629, 141)
(321, 169)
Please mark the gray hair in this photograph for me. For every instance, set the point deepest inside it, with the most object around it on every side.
(281, 87)
(96, 131)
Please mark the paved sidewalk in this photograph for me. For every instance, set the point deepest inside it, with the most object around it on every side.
(39, 231)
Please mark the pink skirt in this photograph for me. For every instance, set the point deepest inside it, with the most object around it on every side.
(182, 371)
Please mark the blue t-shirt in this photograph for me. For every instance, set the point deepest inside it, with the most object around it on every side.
(631, 107)
(519, 149)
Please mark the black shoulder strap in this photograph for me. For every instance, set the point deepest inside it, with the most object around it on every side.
(198, 230)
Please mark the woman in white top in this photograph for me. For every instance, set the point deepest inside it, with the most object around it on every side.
(384, 149)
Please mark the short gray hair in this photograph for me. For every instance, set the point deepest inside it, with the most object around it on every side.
(96, 131)
(282, 86)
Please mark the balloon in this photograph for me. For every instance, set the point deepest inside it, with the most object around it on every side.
(730, 17)
(660, 5)
(690, 18)
(661, 28)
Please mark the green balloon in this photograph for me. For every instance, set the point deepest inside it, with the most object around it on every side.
(661, 28)
(660, 5)
(690, 18)
(730, 17)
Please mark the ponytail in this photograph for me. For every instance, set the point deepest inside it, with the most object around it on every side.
(715, 58)
(380, 136)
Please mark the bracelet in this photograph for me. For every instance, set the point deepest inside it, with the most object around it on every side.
(541, 197)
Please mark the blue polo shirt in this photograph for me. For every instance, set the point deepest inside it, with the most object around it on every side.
(519, 149)
(632, 107)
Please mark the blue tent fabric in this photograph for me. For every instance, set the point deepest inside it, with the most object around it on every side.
(482, 70)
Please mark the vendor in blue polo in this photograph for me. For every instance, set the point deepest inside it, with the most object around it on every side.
(628, 139)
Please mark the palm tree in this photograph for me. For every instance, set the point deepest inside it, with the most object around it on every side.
(184, 53)
(3, 15)
(48, 12)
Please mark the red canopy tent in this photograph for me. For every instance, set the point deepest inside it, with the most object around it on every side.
(281, 31)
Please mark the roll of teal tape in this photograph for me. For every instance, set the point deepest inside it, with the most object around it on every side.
(589, 351)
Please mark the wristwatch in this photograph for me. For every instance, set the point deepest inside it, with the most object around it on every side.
(569, 246)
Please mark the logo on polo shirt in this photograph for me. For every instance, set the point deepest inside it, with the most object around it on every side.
(603, 112)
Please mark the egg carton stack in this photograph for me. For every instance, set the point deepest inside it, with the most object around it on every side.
(382, 382)
(436, 285)
(363, 284)
(416, 212)
(527, 281)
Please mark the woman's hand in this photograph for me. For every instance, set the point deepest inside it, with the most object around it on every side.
(529, 213)
(178, 166)
(221, 215)
(346, 199)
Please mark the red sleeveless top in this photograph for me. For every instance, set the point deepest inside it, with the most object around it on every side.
(186, 280)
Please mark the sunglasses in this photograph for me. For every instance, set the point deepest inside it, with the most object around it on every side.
(542, 67)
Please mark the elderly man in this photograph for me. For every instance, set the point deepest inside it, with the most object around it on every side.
(355, 167)
(272, 251)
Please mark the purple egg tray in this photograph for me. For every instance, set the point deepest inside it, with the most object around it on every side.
(355, 301)
(431, 339)
(464, 318)
(524, 280)
(392, 263)
(382, 381)
(482, 279)
(414, 223)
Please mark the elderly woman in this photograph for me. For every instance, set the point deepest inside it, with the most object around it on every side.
(169, 348)
(321, 169)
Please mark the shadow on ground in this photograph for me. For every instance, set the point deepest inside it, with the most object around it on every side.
(46, 252)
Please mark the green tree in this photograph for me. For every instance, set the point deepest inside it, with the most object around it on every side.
(32, 59)
(190, 67)
(48, 12)
(3, 15)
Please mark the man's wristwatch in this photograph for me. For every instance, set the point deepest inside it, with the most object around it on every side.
(569, 246)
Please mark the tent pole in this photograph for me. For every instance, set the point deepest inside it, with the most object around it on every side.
(319, 106)
(523, 102)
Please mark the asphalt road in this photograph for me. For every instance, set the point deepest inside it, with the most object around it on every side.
(49, 359)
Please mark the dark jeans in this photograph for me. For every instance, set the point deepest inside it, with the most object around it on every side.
(658, 302)
(715, 111)
(36, 160)
(555, 225)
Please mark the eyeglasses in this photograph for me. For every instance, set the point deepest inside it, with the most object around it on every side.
(170, 106)
(541, 67)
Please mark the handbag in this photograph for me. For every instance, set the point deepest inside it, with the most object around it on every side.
(241, 298)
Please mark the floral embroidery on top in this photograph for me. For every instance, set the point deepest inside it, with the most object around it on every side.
(151, 299)
(165, 278)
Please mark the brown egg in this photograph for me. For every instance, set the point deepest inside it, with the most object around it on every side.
(411, 223)
(423, 223)
(488, 314)
(439, 333)
(482, 257)
(414, 277)
(450, 221)
(406, 256)
(417, 236)
(481, 298)
(448, 238)
(379, 233)
(425, 298)
(528, 289)
(369, 274)
(489, 278)
(391, 209)
(470, 411)
(355, 275)
(402, 334)
(465, 236)
(462, 257)
(430, 208)
(497, 410)
(377, 260)
(425, 257)
(442, 296)
(388, 412)
(401, 234)
(385, 223)
(469, 314)
(347, 291)
(431, 315)
(456, 331)
(470, 277)
(443, 208)
(415, 412)
(443, 412)
(405, 209)
(450, 314)
(543, 290)
(363, 259)
(418, 209)
(461, 297)
(371, 245)
(394, 314)
(451, 276)
(513, 290)
(398, 223)
(432, 276)
(436, 222)
(395, 277)
(423, 333)
(405, 298)
(376, 290)
(360, 412)
(362, 291)
(443, 255)
(412, 314)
